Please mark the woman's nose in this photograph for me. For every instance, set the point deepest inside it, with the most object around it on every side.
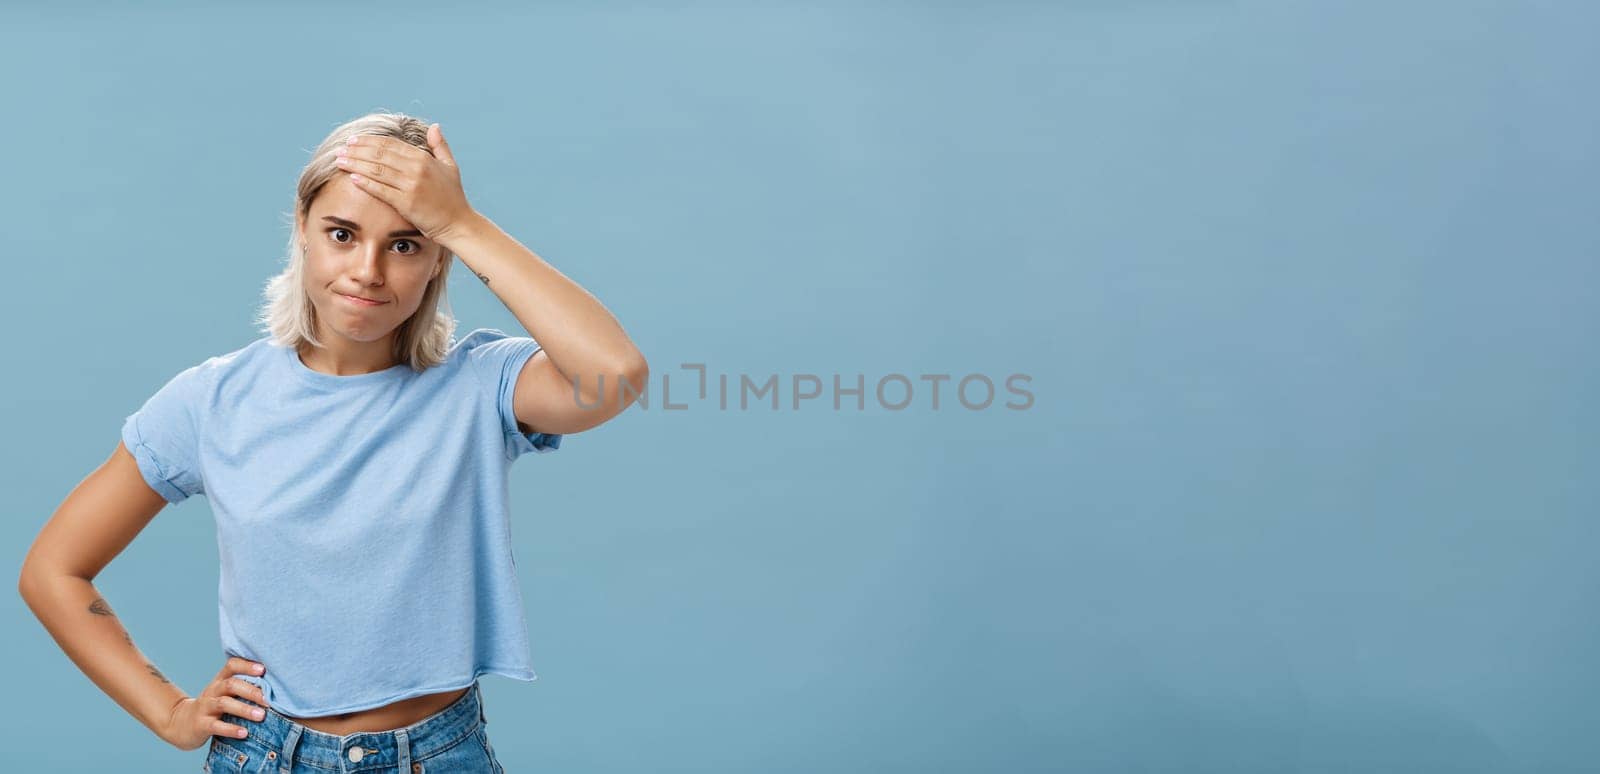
(368, 266)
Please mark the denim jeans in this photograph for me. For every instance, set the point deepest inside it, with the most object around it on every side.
(450, 740)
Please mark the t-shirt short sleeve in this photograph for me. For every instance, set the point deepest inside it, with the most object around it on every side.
(164, 436)
(497, 359)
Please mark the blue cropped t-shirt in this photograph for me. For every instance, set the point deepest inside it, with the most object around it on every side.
(363, 522)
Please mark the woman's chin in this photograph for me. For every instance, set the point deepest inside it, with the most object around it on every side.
(365, 334)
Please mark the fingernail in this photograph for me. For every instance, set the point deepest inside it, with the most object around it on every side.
(258, 714)
(260, 668)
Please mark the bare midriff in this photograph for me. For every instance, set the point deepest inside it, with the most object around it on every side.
(386, 718)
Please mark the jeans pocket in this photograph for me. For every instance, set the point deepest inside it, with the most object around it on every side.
(488, 750)
(224, 758)
(239, 757)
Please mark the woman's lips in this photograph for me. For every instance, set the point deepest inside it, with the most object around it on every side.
(359, 301)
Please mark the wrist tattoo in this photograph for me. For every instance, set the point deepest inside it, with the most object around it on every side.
(483, 277)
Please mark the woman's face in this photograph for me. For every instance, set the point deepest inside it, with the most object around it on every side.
(357, 245)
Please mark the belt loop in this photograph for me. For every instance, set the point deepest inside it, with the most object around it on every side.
(286, 756)
(403, 744)
(478, 691)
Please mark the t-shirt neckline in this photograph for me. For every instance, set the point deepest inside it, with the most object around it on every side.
(312, 376)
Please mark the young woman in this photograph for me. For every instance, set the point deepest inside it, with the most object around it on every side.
(355, 458)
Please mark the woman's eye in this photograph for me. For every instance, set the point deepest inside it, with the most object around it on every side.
(411, 247)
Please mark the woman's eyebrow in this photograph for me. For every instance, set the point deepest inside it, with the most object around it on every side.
(350, 224)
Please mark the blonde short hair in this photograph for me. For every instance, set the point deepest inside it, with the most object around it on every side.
(288, 314)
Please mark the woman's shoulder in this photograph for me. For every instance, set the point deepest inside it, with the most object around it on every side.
(478, 337)
(248, 354)
(216, 370)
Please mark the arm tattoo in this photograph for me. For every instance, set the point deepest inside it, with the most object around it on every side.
(483, 277)
(156, 672)
(100, 607)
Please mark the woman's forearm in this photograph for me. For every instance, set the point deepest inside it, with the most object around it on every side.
(82, 623)
(580, 336)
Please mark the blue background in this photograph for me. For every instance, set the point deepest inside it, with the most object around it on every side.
(1306, 293)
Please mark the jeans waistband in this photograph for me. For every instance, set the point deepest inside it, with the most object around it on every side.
(365, 749)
